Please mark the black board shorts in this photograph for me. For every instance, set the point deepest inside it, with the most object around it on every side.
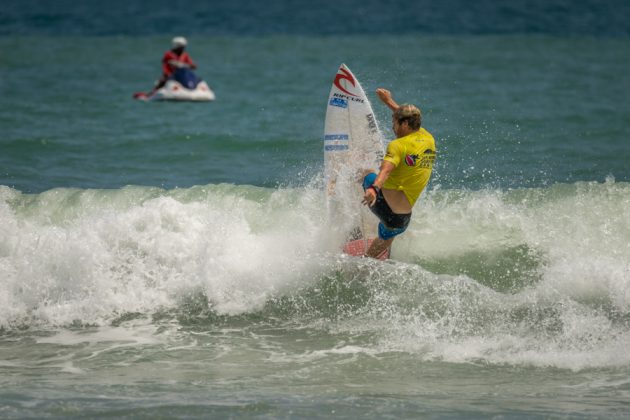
(385, 214)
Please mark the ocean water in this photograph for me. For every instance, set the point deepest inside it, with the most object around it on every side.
(178, 260)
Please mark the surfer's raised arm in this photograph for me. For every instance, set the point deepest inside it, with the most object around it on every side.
(386, 97)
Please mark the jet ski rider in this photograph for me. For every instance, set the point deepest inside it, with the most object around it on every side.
(173, 59)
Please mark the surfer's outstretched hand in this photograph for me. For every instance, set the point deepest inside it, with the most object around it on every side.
(384, 94)
(386, 97)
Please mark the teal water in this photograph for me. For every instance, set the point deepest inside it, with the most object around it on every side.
(176, 260)
(510, 111)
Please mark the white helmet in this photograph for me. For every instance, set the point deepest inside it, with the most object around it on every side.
(179, 41)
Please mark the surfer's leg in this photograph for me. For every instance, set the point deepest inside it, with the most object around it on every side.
(378, 247)
(386, 237)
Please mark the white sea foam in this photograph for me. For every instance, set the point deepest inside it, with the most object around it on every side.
(91, 262)
(91, 256)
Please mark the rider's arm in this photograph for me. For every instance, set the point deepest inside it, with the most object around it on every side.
(177, 64)
(183, 61)
(186, 59)
(386, 169)
(370, 194)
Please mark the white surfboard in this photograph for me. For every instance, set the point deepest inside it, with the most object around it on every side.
(352, 144)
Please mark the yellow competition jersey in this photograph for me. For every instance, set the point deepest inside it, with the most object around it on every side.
(413, 157)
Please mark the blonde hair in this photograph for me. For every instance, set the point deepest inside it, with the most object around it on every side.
(409, 113)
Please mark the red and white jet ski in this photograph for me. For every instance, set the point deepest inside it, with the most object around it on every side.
(183, 85)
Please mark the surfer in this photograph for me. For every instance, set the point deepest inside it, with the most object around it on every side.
(404, 173)
(173, 59)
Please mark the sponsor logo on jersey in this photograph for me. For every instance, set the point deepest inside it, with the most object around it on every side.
(424, 161)
(428, 159)
(410, 160)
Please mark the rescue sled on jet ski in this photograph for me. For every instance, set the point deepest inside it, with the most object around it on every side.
(183, 85)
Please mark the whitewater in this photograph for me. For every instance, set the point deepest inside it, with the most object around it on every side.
(534, 277)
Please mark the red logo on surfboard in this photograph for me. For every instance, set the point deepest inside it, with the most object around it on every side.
(344, 74)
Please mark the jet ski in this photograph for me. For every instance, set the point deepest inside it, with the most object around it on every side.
(183, 85)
